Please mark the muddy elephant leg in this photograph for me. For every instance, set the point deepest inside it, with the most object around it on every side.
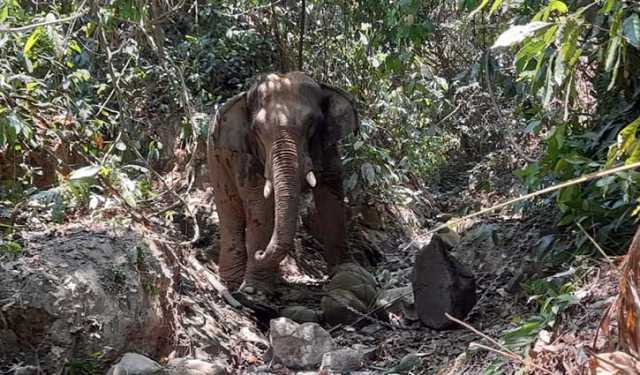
(259, 214)
(329, 215)
(233, 255)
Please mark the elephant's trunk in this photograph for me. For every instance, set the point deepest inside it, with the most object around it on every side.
(286, 184)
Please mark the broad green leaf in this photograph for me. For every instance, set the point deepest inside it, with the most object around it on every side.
(530, 50)
(631, 30)
(516, 34)
(634, 157)
(89, 171)
(627, 136)
(32, 40)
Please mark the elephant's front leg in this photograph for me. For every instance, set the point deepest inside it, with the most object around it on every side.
(233, 255)
(259, 213)
(329, 217)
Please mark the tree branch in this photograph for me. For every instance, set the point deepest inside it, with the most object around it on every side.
(44, 23)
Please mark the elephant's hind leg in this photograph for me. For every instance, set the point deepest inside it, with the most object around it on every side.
(233, 255)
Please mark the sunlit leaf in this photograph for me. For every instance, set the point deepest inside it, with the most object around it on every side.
(32, 40)
(612, 53)
(4, 12)
(496, 5)
(516, 34)
(558, 6)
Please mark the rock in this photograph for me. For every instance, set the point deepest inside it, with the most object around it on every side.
(450, 237)
(338, 307)
(135, 364)
(26, 370)
(299, 346)
(355, 282)
(441, 284)
(301, 314)
(355, 268)
(342, 361)
(187, 366)
(77, 292)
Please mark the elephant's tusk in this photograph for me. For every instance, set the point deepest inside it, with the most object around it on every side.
(268, 188)
(311, 179)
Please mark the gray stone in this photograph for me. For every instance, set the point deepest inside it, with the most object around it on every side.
(342, 360)
(298, 346)
(26, 370)
(187, 366)
(341, 306)
(135, 364)
(301, 314)
(357, 281)
(81, 293)
(441, 284)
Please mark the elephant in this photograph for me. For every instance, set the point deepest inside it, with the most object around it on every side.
(266, 147)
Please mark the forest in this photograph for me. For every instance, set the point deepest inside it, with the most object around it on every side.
(319, 187)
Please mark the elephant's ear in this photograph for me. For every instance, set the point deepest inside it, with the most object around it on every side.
(230, 126)
(340, 114)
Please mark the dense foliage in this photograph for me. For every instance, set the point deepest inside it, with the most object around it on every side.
(578, 63)
(95, 96)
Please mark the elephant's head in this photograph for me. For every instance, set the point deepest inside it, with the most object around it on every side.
(285, 122)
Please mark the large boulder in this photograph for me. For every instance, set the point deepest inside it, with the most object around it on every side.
(299, 346)
(81, 292)
(135, 364)
(441, 284)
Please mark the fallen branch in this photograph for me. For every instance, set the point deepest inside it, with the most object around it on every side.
(575, 181)
(502, 349)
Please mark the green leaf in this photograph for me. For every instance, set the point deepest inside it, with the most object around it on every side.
(32, 40)
(608, 6)
(4, 13)
(559, 6)
(627, 136)
(631, 30)
(496, 5)
(612, 54)
(635, 155)
(518, 33)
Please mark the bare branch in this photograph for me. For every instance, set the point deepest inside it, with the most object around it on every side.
(44, 23)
